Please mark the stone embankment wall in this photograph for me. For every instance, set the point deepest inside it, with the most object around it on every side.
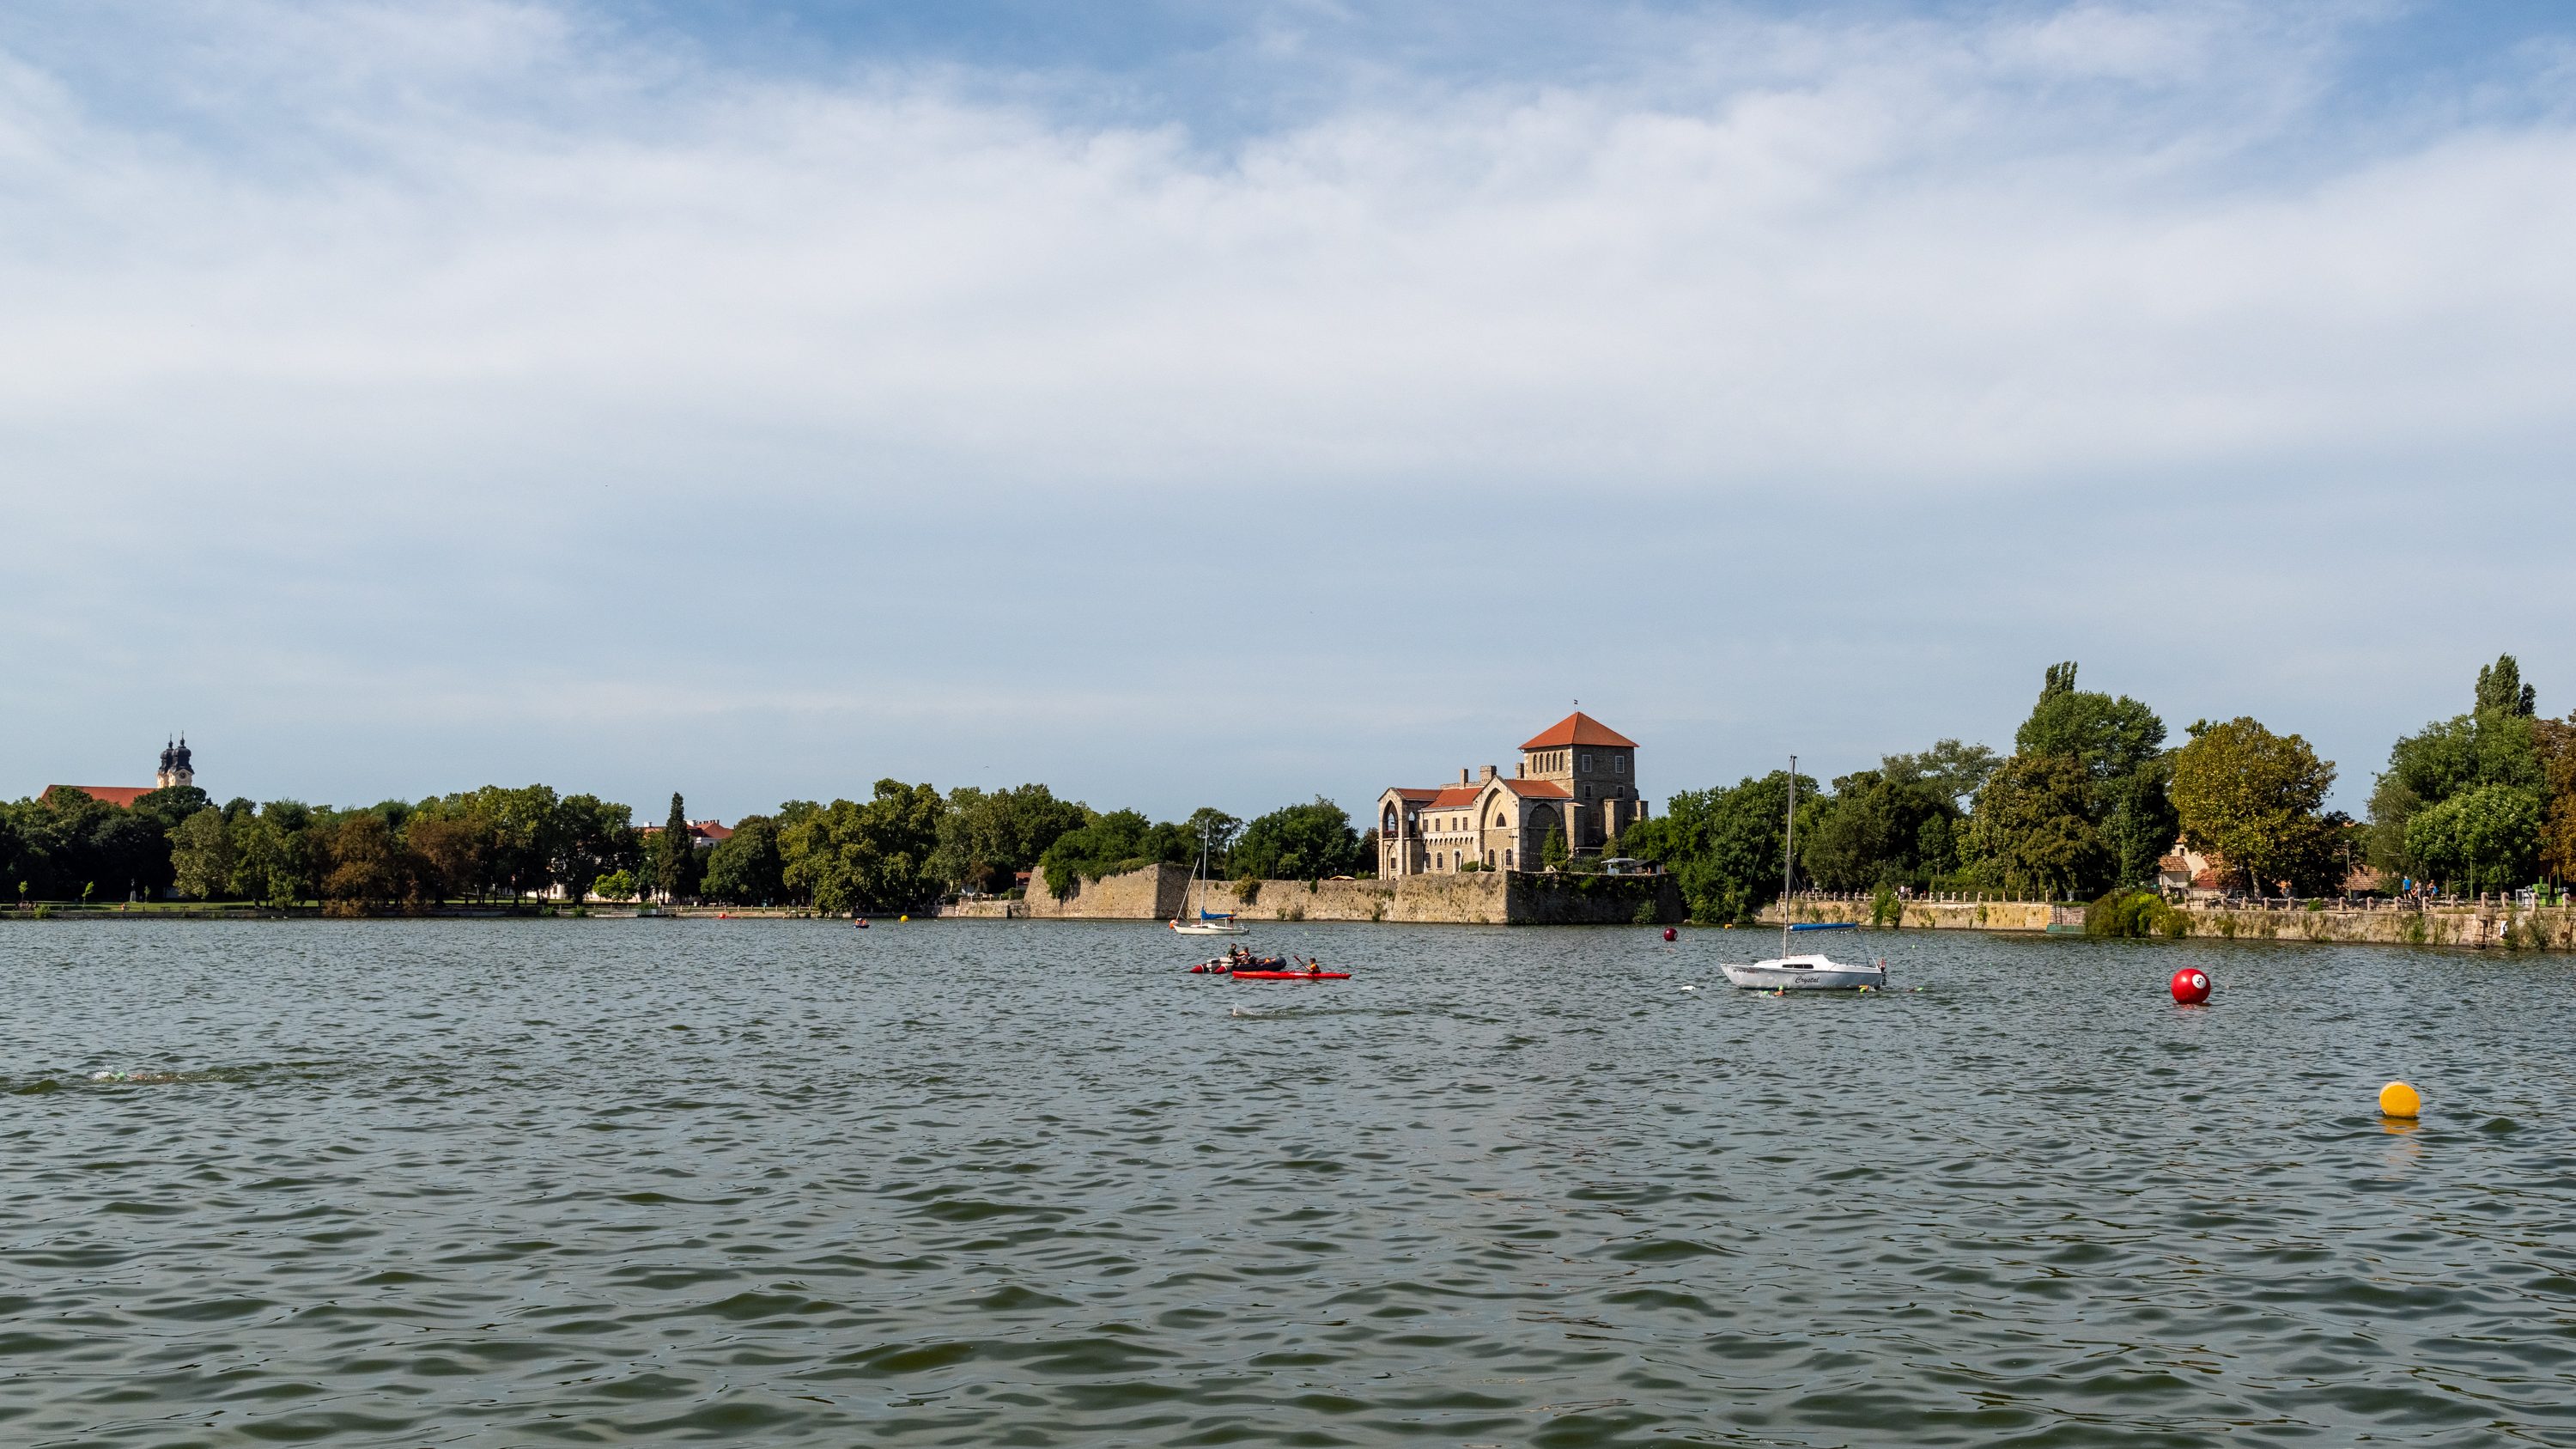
(2550, 928)
(1488, 898)
(1931, 915)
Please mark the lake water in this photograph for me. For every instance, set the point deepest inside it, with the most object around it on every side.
(584, 1182)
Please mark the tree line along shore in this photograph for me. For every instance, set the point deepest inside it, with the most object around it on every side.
(2092, 797)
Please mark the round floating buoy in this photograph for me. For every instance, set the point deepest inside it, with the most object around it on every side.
(2191, 986)
(1671, 934)
(2400, 1100)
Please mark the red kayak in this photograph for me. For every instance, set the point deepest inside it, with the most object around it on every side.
(1292, 975)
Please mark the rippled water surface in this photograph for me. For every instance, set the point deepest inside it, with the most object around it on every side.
(1029, 1184)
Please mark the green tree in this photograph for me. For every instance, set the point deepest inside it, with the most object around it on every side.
(1297, 842)
(1936, 847)
(201, 856)
(2253, 797)
(2031, 834)
(747, 867)
(675, 855)
(2485, 838)
(365, 871)
(521, 828)
(617, 885)
(1724, 847)
(1869, 832)
(2556, 742)
(1952, 770)
(259, 858)
(2497, 743)
(871, 856)
(450, 849)
(587, 837)
(1552, 852)
(86, 840)
(170, 807)
(1103, 845)
(987, 837)
(1221, 831)
(2501, 690)
(2128, 776)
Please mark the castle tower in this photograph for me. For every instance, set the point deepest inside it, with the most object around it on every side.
(175, 769)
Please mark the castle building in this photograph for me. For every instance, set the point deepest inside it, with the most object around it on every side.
(1578, 776)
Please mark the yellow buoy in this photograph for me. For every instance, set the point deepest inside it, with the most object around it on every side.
(903, 918)
(2400, 1100)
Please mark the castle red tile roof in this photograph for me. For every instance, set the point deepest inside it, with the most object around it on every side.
(1453, 796)
(1577, 728)
(1542, 789)
(1414, 796)
(707, 830)
(120, 796)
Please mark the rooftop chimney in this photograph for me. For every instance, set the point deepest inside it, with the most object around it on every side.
(1485, 775)
(1462, 774)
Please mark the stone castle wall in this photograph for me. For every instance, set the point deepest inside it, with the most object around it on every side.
(1139, 895)
(1492, 898)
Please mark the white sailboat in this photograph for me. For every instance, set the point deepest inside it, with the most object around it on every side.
(1813, 971)
(1203, 922)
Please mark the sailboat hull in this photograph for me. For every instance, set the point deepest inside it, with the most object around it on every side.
(1209, 928)
(1805, 973)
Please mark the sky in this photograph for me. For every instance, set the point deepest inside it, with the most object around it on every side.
(1186, 404)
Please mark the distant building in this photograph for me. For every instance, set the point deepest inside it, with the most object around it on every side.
(704, 834)
(1578, 777)
(2188, 872)
(175, 771)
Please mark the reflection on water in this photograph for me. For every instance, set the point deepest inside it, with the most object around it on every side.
(979, 1183)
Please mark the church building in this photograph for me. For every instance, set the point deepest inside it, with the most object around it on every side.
(175, 770)
(1578, 777)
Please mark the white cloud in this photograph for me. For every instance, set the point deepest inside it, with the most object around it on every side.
(1892, 254)
(321, 280)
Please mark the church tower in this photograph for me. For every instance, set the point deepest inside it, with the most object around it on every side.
(175, 769)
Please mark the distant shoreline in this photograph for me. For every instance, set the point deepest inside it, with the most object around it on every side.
(2465, 927)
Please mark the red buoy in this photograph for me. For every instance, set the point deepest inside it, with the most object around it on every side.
(2191, 986)
(1669, 933)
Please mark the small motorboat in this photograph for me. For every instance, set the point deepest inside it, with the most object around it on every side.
(1807, 973)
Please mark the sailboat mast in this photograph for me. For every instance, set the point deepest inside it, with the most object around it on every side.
(1789, 858)
(1192, 901)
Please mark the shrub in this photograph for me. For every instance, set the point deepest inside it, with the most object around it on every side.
(2134, 913)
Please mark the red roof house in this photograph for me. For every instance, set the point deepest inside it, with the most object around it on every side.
(120, 796)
